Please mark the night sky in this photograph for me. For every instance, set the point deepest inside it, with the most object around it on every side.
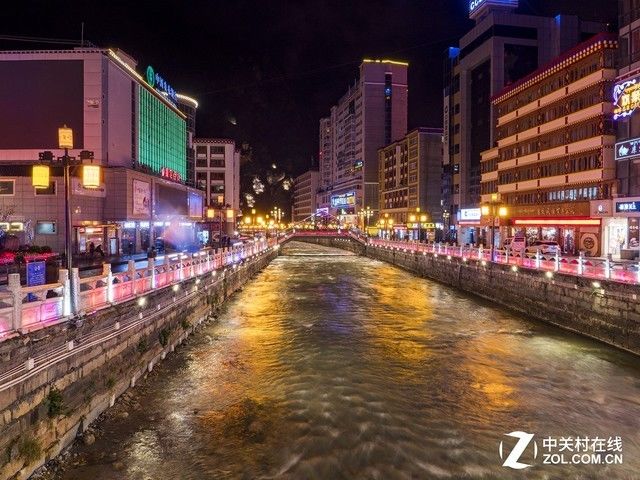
(265, 71)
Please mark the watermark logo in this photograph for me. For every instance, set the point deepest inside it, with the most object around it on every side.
(512, 460)
(562, 450)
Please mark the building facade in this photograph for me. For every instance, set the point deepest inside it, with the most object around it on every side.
(372, 114)
(131, 123)
(553, 165)
(189, 106)
(217, 174)
(305, 187)
(409, 178)
(624, 223)
(500, 49)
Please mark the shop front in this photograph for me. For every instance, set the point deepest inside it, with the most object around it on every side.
(103, 236)
(622, 234)
(468, 222)
(571, 225)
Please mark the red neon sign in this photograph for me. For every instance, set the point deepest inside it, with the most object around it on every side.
(170, 174)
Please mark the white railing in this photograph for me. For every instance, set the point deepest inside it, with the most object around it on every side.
(24, 309)
(596, 268)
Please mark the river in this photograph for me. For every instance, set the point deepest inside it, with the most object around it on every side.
(332, 366)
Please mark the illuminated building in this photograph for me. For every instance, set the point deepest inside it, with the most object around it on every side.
(128, 117)
(372, 113)
(409, 176)
(553, 164)
(500, 49)
(304, 196)
(189, 106)
(217, 174)
(622, 226)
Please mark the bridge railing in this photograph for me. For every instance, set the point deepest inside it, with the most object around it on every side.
(24, 309)
(596, 268)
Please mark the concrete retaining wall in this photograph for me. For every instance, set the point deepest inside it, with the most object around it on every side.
(43, 414)
(609, 313)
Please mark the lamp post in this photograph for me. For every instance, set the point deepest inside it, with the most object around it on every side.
(494, 210)
(40, 179)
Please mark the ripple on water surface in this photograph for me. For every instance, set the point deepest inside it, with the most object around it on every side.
(336, 367)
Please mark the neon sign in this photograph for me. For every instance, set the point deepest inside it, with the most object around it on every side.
(156, 81)
(626, 98)
(170, 174)
(474, 4)
(627, 149)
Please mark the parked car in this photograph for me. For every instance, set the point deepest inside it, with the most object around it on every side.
(544, 247)
(515, 244)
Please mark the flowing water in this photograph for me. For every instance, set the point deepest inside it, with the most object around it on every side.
(337, 366)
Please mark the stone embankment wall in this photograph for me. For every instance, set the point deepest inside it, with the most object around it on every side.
(44, 413)
(606, 311)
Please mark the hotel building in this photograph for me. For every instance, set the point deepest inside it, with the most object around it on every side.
(502, 47)
(553, 164)
(131, 123)
(372, 114)
(409, 177)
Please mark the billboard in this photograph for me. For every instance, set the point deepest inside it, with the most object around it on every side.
(141, 198)
(343, 200)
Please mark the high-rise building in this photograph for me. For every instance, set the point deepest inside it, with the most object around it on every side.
(131, 123)
(500, 49)
(325, 154)
(623, 227)
(305, 187)
(371, 114)
(409, 178)
(553, 165)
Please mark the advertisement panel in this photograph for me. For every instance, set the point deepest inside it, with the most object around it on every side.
(343, 200)
(626, 98)
(141, 198)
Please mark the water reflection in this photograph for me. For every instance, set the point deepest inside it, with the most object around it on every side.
(342, 367)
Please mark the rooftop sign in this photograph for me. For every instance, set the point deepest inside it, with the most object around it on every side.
(156, 81)
(476, 5)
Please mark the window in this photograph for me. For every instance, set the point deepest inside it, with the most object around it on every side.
(217, 188)
(216, 150)
(201, 180)
(47, 191)
(217, 176)
(7, 187)
(218, 163)
(45, 228)
(201, 162)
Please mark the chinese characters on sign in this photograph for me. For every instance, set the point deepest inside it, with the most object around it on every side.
(627, 207)
(170, 174)
(627, 149)
(626, 98)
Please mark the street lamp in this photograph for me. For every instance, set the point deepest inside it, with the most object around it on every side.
(40, 179)
(494, 210)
